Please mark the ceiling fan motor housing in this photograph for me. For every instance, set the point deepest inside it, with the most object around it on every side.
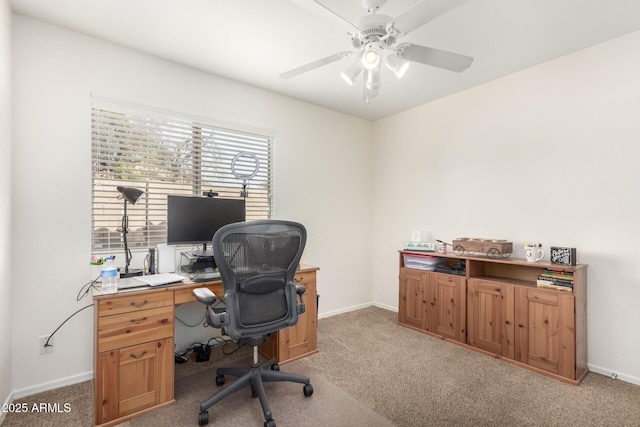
(374, 28)
(372, 5)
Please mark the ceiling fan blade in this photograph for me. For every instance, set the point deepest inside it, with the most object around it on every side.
(315, 64)
(423, 12)
(435, 57)
(324, 11)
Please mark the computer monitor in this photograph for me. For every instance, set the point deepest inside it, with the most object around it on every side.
(194, 220)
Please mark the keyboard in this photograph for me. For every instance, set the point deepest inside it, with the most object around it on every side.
(160, 279)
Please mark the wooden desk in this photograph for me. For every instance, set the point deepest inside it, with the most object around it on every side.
(134, 345)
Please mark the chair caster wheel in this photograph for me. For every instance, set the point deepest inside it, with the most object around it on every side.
(269, 423)
(219, 380)
(307, 390)
(203, 418)
(275, 367)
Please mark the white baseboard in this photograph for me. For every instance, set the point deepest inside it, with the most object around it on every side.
(75, 379)
(386, 307)
(6, 403)
(344, 310)
(612, 374)
(357, 307)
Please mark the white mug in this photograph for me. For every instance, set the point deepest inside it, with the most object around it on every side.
(533, 253)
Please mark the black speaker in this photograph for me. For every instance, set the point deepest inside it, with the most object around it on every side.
(152, 261)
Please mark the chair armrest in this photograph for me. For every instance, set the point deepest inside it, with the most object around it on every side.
(204, 295)
(301, 308)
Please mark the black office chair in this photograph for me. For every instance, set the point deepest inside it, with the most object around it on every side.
(257, 262)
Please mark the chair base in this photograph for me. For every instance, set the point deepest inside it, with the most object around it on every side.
(254, 377)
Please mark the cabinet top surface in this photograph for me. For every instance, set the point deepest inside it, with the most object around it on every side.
(511, 261)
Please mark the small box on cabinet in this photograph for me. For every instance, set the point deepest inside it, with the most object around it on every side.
(564, 256)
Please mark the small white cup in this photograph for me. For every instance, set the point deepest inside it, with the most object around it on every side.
(533, 253)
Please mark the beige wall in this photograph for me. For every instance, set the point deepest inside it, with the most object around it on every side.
(549, 154)
(5, 207)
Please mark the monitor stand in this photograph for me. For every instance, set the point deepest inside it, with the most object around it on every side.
(205, 253)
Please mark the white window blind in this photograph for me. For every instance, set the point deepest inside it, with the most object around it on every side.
(161, 154)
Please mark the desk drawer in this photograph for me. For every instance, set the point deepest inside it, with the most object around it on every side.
(127, 329)
(303, 278)
(134, 302)
(184, 295)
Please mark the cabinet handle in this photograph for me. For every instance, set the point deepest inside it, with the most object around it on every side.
(133, 303)
(139, 320)
(138, 357)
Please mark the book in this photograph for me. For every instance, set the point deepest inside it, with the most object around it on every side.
(565, 275)
(557, 276)
(555, 281)
(548, 285)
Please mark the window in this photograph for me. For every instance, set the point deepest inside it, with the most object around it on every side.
(161, 154)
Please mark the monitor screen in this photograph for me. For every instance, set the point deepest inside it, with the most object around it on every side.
(194, 220)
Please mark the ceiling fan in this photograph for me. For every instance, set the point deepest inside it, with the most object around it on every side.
(375, 40)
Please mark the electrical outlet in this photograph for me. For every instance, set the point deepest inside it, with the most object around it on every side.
(41, 342)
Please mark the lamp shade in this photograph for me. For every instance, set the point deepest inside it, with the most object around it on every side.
(131, 195)
(397, 64)
(349, 75)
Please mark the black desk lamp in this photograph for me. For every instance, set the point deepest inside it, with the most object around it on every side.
(133, 196)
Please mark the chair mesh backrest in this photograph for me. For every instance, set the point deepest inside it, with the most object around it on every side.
(257, 262)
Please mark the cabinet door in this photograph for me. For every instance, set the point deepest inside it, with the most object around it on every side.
(412, 304)
(491, 313)
(450, 307)
(145, 376)
(300, 339)
(545, 333)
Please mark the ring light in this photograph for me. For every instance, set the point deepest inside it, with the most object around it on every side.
(239, 176)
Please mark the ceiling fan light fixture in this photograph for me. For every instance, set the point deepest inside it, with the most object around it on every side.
(397, 64)
(370, 58)
(373, 79)
(352, 71)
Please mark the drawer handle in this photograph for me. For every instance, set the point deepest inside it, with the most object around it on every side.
(297, 279)
(133, 303)
(139, 320)
(138, 357)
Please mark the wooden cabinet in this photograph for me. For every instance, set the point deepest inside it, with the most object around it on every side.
(507, 315)
(134, 363)
(433, 302)
(299, 340)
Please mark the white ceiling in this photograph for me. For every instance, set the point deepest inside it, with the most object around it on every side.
(254, 41)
